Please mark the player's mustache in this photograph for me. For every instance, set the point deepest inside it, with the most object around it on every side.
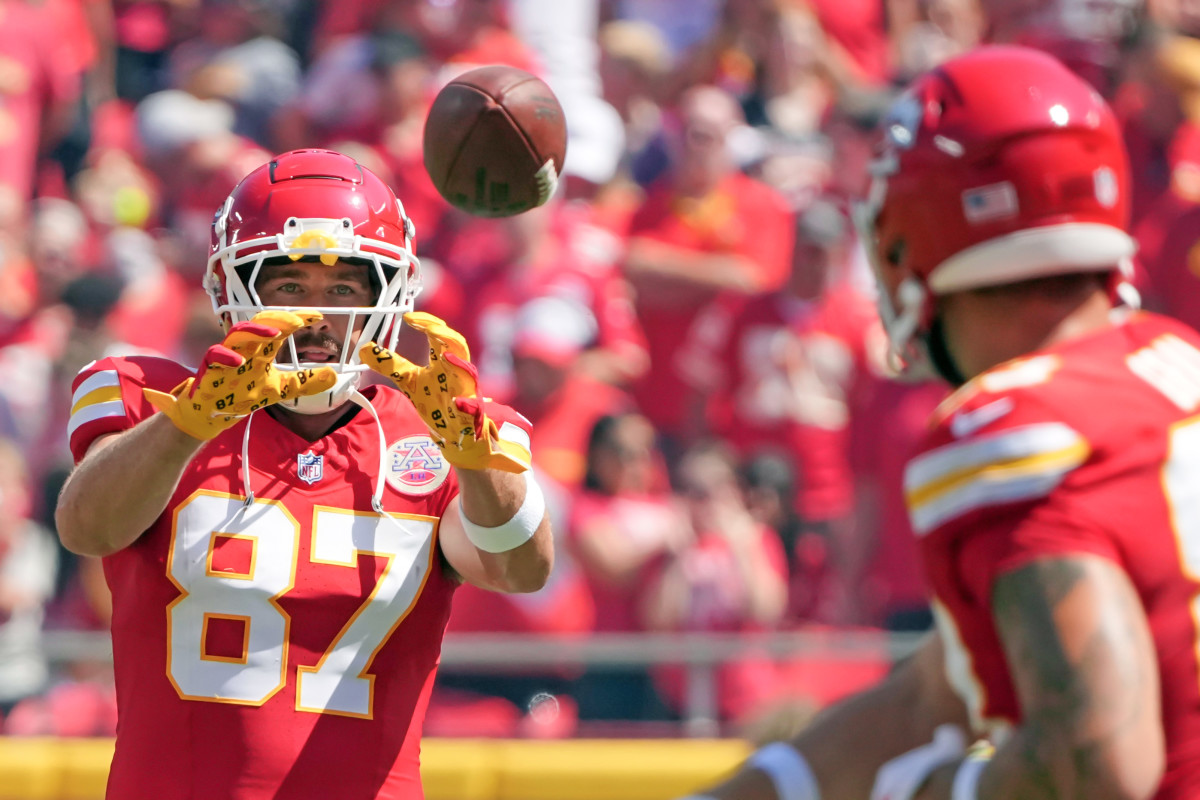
(322, 340)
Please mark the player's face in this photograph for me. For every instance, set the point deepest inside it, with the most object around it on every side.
(306, 284)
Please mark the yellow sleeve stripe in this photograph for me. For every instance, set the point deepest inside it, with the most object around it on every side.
(1018, 464)
(101, 395)
(103, 378)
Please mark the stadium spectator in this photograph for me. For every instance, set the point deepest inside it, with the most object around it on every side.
(40, 83)
(731, 576)
(235, 55)
(782, 372)
(704, 228)
(1166, 232)
(28, 561)
(623, 522)
(265, 543)
(550, 252)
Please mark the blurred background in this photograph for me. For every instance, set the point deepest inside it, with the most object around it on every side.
(689, 323)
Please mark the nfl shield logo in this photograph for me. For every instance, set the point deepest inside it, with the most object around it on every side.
(309, 467)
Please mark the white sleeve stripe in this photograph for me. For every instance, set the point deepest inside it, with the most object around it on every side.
(511, 432)
(980, 493)
(113, 408)
(108, 377)
(1002, 447)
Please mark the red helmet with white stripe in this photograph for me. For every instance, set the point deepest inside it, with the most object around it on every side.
(998, 166)
(322, 204)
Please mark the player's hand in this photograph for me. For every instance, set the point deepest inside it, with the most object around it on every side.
(238, 376)
(445, 394)
(902, 777)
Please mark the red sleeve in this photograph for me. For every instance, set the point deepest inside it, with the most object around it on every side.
(511, 425)
(1004, 541)
(107, 396)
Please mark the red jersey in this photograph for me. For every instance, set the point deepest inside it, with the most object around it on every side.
(1089, 447)
(741, 217)
(282, 645)
(781, 374)
(646, 522)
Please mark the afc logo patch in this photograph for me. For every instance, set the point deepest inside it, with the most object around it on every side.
(310, 468)
(415, 466)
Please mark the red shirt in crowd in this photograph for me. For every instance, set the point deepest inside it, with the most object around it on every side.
(742, 217)
(38, 74)
(781, 374)
(646, 523)
(716, 605)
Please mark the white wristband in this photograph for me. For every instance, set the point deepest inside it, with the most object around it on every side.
(788, 770)
(518, 530)
(966, 778)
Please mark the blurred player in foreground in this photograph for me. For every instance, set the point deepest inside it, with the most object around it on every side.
(282, 547)
(1057, 496)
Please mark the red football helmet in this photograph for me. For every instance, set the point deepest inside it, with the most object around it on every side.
(324, 204)
(998, 166)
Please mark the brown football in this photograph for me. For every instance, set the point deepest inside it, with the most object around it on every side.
(495, 141)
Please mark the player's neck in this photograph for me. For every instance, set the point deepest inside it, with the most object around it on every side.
(312, 427)
(983, 331)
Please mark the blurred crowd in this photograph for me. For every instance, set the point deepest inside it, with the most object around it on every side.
(689, 323)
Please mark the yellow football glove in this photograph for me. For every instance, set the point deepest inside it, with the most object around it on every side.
(238, 377)
(445, 395)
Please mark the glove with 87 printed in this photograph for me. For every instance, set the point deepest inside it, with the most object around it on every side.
(445, 394)
(238, 377)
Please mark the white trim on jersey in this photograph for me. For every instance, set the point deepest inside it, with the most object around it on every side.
(99, 396)
(1004, 467)
(107, 377)
(113, 408)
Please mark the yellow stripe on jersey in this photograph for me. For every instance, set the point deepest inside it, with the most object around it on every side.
(96, 398)
(1004, 467)
(514, 440)
(101, 395)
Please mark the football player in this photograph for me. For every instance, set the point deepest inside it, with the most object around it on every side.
(282, 543)
(1057, 496)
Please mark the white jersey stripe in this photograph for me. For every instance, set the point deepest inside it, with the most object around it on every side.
(107, 377)
(1018, 464)
(113, 408)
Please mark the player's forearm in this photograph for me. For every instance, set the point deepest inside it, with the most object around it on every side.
(492, 498)
(1038, 762)
(121, 487)
(708, 270)
(849, 741)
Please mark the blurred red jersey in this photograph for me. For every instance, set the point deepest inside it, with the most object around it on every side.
(782, 374)
(284, 644)
(1090, 447)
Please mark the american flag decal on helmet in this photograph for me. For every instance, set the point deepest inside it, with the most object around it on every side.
(992, 202)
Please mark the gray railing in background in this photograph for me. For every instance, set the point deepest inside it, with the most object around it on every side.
(699, 653)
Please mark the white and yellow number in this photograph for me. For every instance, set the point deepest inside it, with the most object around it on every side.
(341, 682)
